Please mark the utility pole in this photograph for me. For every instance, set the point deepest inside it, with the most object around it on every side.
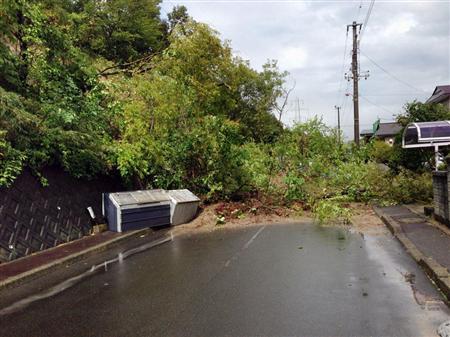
(355, 76)
(338, 108)
(355, 80)
(299, 106)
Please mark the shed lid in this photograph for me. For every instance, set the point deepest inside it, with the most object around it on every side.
(426, 134)
(181, 196)
(140, 197)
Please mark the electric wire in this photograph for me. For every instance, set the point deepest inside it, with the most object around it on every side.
(344, 104)
(343, 65)
(391, 95)
(366, 20)
(345, 101)
(351, 125)
(374, 104)
(359, 10)
(392, 75)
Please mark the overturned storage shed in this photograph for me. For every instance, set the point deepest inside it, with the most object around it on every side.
(184, 206)
(138, 209)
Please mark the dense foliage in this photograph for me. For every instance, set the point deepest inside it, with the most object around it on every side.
(313, 168)
(109, 87)
(53, 107)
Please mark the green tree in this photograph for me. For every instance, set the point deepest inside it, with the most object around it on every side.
(214, 82)
(194, 85)
(178, 16)
(54, 109)
(118, 30)
(423, 112)
(170, 110)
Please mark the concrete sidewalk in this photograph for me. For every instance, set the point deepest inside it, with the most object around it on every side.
(426, 242)
(35, 265)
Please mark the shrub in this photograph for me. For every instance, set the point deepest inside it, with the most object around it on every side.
(295, 189)
(358, 181)
(257, 164)
(407, 187)
(381, 152)
(331, 210)
(11, 162)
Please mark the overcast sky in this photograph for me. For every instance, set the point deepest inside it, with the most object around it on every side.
(408, 39)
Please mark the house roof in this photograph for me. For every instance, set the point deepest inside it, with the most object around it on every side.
(440, 93)
(388, 129)
(366, 132)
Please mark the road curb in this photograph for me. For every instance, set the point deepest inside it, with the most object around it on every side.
(44, 269)
(393, 226)
(433, 269)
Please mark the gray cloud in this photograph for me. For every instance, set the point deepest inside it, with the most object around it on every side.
(409, 39)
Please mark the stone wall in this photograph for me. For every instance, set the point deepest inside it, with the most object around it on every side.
(440, 196)
(34, 218)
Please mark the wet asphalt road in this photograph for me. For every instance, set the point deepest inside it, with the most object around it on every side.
(279, 280)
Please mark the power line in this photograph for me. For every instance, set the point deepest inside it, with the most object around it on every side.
(359, 10)
(343, 65)
(374, 104)
(351, 125)
(392, 75)
(343, 98)
(366, 20)
(391, 95)
(344, 101)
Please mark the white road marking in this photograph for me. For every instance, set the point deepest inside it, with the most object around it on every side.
(253, 238)
(249, 242)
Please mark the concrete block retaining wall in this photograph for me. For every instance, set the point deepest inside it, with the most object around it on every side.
(34, 218)
(440, 196)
